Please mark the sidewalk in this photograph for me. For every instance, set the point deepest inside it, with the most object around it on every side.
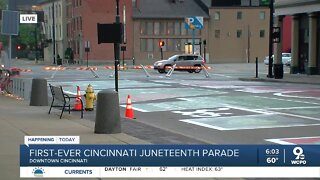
(246, 72)
(289, 78)
(18, 119)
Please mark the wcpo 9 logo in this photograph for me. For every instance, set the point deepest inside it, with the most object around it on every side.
(300, 158)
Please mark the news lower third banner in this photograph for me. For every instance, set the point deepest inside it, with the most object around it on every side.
(75, 160)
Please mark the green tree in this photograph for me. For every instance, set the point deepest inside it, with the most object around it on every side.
(27, 35)
(3, 4)
(3, 38)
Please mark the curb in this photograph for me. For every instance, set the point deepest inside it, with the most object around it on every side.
(276, 81)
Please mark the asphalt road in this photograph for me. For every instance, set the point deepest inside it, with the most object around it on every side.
(193, 109)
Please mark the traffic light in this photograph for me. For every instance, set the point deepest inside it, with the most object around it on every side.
(20, 47)
(161, 43)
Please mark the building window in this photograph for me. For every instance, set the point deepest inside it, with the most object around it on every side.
(262, 15)
(50, 14)
(177, 44)
(60, 31)
(149, 45)
(80, 23)
(143, 45)
(56, 11)
(255, 2)
(262, 33)
(183, 29)
(68, 29)
(170, 28)
(73, 24)
(49, 32)
(217, 33)
(56, 31)
(177, 28)
(156, 28)
(239, 15)
(163, 27)
(170, 45)
(78, 47)
(245, 2)
(60, 13)
(149, 28)
(143, 28)
(80, 2)
(217, 15)
(239, 33)
(134, 3)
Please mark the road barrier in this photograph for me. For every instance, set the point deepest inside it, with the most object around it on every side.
(108, 113)
(39, 92)
(171, 70)
(4, 79)
(20, 87)
(145, 71)
(13, 84)
(59, 68)
(19, 70)
(121, 68)
(205, 71)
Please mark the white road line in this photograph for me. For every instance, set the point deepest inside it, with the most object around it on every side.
(288, 100)
(204, 125)
(250, 110)
(293, 115)
(283, 142)
(279, 141)
(222, 75)
(190, 121)
(291, 96)
(290, 108)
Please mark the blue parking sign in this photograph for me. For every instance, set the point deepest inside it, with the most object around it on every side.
(193, 22)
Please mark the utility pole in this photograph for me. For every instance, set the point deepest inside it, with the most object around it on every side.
(116, 50)
(271, 6)
(53, 33)
(12, 5)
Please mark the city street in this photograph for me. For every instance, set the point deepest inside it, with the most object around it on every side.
(190, 108)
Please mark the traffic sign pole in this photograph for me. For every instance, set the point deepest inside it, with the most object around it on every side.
(193, 40)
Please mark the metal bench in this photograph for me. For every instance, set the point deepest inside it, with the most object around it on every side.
(64, 100)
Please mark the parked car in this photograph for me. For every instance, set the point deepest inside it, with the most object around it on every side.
(286, 59)
(185, 62)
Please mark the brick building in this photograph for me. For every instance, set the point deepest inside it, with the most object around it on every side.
(82, 19)
(234, 31)
(76, 22)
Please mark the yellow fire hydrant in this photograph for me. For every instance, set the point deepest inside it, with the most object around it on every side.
(90, 97)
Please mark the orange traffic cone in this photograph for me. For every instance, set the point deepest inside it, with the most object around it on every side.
(129, 111)
(78, 105)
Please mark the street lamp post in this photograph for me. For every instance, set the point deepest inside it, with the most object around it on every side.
(53, 33)
(116, 50)
(271, 6)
